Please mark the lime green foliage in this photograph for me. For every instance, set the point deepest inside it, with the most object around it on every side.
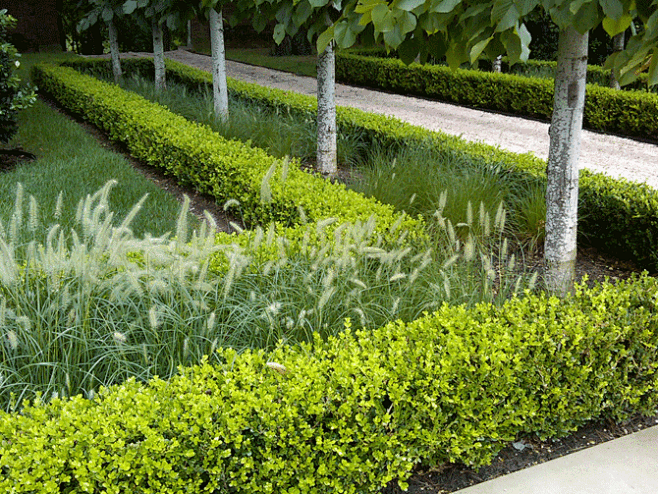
(266, 189)
(633, 234)
(352, 413)
(624, 112)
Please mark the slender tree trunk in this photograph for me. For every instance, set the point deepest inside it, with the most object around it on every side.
(220, 91)
(189, 34)
(617, 45)
(563, 154)
(497, 64)
(114, 51)
(326, 154)
(158, 57)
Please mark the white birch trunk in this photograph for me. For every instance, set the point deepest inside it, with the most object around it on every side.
(114, 51)
(158, 57)
(497, 64)
(617, 45)
(563, 155)
(326, 154)
(219, 89)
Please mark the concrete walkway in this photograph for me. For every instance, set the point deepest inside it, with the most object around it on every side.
(628, 465)
(613, 155)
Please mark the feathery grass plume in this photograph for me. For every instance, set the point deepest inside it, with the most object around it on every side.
(33, 219)
(58, 206)
(265, 189)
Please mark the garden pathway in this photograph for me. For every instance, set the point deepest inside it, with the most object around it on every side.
(613, 155)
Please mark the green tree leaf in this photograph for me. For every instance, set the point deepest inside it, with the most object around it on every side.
(614, 27)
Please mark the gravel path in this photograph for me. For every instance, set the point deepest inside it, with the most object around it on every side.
(615, 156)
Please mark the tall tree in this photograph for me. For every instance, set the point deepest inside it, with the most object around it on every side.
(173, 14)
(464, 31)
(213, 9)
(314, 17)
(108, 11)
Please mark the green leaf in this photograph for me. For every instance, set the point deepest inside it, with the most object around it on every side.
(478, 48)
(344, 35)
(525, 6)
(324, 39)
(279, 33)
(407, 5)
(407, 22)
(408, 50)
(653, 69)
(612, 8)
(587, 18)
(130, 6)
(383, 19)
(107, 14)
(393, 38)
(443, 6)
(301, 13)
(316, 4)
(614, 27)
(456, 55)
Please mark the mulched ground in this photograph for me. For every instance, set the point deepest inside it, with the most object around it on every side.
(526, 451)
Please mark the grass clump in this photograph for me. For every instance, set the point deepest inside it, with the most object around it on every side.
(95, 305)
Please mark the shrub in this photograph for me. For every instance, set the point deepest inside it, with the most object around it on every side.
(12, 96)
(624, 112)
(352, 413)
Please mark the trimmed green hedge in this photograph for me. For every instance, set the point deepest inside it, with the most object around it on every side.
(596, 74)
(354, 412)
(616, 216)
(633, 113)
(267, 189)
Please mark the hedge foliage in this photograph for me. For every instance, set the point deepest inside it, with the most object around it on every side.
(617, 216)
(633, 113)
(596, 74)
(351, 413)
(267, 190)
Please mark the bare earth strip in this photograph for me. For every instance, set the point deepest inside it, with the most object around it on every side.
(615, 156)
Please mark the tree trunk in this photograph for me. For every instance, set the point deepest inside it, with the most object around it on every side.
(114, 51)
(158, 57)
(220, 91)
(617, 45)
(497, 64)
(563, 154)
(189, 34)
(326, 154)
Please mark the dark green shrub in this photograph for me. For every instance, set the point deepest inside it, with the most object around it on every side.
(12, 96)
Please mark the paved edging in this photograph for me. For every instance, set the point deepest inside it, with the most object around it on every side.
(628, 465)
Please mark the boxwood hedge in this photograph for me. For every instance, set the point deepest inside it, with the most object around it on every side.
(354, 412)
(633, 113)
(351, 413)
(617, 216)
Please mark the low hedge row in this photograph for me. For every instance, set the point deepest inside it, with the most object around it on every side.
(616, 216)
(354, 412)
(596, 74)
(267, 189)
(633, 113)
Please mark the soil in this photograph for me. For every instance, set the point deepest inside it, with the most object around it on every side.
(523, 453)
